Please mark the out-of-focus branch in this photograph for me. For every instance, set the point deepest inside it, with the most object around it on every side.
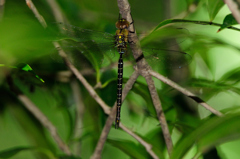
(2, 2)
(44, 121)
(56, 10)
(36, 13)
(79, 111)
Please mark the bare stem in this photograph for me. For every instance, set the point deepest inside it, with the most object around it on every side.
(79, 114)
(56, 10)
(186, 92)
(36, 13)
(141, 141)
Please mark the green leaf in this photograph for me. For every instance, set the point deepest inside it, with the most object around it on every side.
(228, 21)
(158, 142)
(214, 7)
(163, 23)
(140, 89)
(24, 67)
(211, 133)
(232, 75)
(13, 151)
(130, 148)
(213, 87)
(27, 68)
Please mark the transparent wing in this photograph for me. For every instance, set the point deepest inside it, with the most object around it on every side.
(83, 35)
(98, 47)
(160, 59)
(97, 54)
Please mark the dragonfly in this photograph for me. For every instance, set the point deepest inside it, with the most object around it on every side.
(95, 45)
(121, 40)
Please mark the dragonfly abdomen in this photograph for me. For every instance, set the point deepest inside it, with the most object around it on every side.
(119, 90)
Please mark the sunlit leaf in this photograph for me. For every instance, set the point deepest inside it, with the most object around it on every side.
(214, 7)
(214, 86)
(211, 133)
(24, 67)
(232, 75)
(27, 68)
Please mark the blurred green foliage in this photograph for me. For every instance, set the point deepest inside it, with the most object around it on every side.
(213, 75)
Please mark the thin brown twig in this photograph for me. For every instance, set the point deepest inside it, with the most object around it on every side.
(141, 141)
(36, 13)
(45, 122)
(185, 91)
(143, 67)
(56, 10)
(2, 2)
(79, 111)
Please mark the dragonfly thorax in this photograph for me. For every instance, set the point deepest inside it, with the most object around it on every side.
(121, 43)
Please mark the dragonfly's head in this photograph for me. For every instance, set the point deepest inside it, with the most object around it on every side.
(122, 24)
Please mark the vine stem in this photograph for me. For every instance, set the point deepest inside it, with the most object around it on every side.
(169, 21)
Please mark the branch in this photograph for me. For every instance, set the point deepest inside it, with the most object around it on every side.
(79, 114)
(186, 92)
(141, 141)
(56, 10)
(143, 67)
(39, 115)
(36, 13)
